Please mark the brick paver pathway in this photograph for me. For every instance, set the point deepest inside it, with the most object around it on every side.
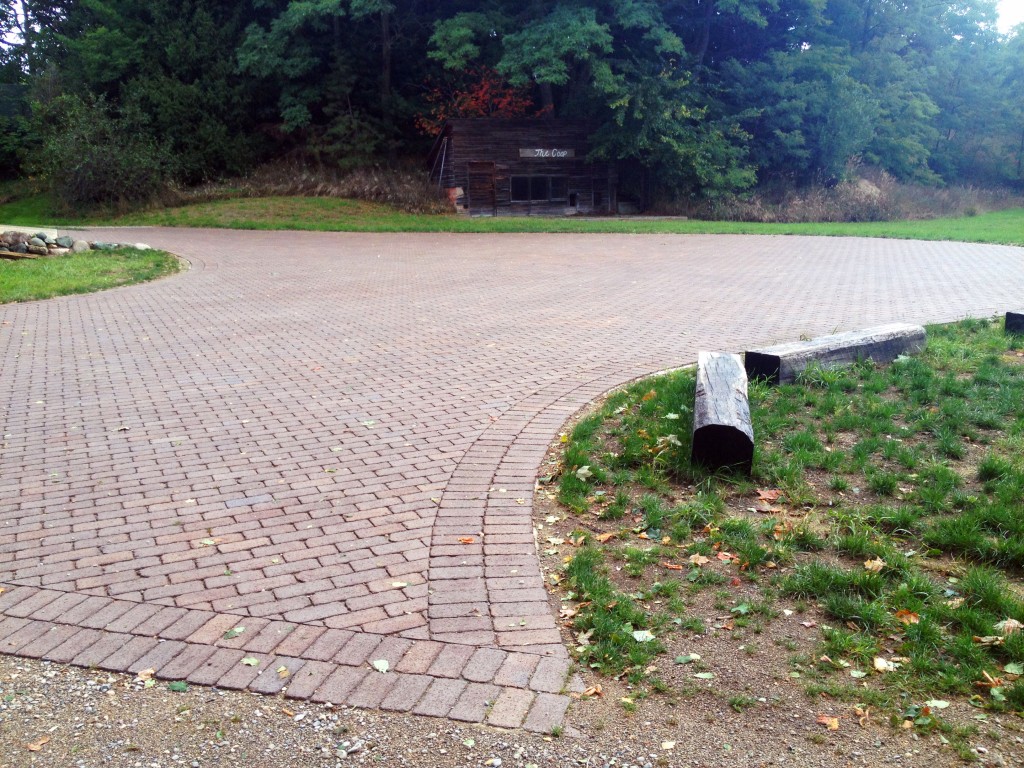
(331, 441)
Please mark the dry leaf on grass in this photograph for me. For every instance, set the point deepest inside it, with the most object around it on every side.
(907, 617)
(604, 538)
(875, 566)
(698, 560)
(768, 495)
(672, 566)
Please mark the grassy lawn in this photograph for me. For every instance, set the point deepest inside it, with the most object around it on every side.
(331, 214)
(44, 278)
(884, 510)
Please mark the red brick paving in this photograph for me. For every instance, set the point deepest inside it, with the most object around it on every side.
(324, 439)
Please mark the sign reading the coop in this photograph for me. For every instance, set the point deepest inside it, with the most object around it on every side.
(538, 152)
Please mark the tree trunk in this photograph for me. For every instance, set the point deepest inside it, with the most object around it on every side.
(705, 31)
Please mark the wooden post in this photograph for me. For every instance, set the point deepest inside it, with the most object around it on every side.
(782, 363)
(723, 437)
(1015, 322)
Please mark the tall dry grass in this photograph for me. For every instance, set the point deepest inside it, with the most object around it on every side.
(404, 188)
(872, 195)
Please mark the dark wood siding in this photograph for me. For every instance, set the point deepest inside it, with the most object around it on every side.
(477, 160)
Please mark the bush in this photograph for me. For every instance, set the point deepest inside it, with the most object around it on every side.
(92, 156)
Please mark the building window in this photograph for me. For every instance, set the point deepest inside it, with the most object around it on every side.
(539, 189)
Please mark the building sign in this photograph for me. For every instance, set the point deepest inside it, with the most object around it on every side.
(556, 153)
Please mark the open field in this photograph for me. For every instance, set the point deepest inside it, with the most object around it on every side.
(335, 215)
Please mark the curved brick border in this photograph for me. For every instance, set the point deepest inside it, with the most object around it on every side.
(302, 434)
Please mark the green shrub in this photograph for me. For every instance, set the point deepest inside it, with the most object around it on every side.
(92, 156)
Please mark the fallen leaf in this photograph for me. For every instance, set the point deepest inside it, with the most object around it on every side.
(584, 472)
(37, 745)
(146, 674)
(858, 674)
(649, 396)
(282, 672)
(469, 743)
(231, 634)
(698, 560)
(643, 636)
(666, 745)
(831, 723)
(989, 640)
(863, 716)
(809, 624)
(772, 495)
(705, 675)
(726, 557)
(1009, 626)
(178, 686)
(884, 665)
(604, 538)
(1014, 669)
(466, 540)
(208, 542)
(688, 658)
(907, 617)
(594, 690)
(399, 584)
(381, 665)
(875, 566)
(249, 661)
(936, 704)
(673, 566)
(287, 711)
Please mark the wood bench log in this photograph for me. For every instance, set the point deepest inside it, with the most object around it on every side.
(12, 256)
(781, 364)
(1015, 322)
(723, 437)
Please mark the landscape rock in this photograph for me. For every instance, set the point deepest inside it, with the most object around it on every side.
(79, 246)
(37, 242)
(100, 246)
(38, 250)
(64, 242)
(142, 247)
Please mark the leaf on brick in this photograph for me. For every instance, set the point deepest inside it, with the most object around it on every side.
(231, 634)
(466, 540)
(381, 665)
(283, 671)
(250, 661)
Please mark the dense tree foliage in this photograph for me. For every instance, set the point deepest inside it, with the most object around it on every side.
(702, 96)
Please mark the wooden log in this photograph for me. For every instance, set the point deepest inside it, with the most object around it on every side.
(11, 255)
(723, 437)
(781, 364)
(1015, 322)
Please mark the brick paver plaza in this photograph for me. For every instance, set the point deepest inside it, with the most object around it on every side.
(331, 440)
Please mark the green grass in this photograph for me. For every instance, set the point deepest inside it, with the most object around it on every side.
(332, 214)
(911, 539)
(44, 278)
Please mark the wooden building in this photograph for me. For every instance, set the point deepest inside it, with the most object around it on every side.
(521, 167)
